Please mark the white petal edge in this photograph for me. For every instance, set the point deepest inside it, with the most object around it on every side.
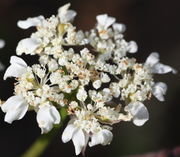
(68, 133)
(30, 22)
(103, 137)
(62, 10)
(17, 68)
(139, 112)
(17, 60)
(15, 108)
(159, 90)
(79, 141)
(152, 59)
(119, 27)
(160, 68)
(27, 46)
(101, 19)
(105, 21)
(66, 15)
(132, 47)
(47, 116)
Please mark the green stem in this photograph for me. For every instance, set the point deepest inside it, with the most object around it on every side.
(40, 145)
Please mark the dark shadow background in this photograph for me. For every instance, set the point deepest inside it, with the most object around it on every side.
(154, 24)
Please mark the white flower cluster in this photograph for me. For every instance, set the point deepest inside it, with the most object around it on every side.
(89, 73)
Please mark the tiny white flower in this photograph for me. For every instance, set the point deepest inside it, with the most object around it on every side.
(66, 15)
(82, 94)
(132, 47)
(159, 90)
(97, 84)
(156, 66)
(139, 112)
(106, 93)
(27, 46)
(80, 138)
(62, 61)
(47, 115)
(17, 68)
(105, 78)
(115, 90)
(52, 65)
(30, 22)
(15, 108)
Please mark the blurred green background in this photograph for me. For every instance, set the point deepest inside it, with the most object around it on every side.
(154, 24)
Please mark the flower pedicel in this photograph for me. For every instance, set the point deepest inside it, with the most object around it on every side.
(89, 73)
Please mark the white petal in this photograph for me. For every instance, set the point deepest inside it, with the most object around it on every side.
(2, 43)
(69, 16)
(14, 71)
(15, 108)
(139, 112)
(55, 115)
(159, 90)
(103, 137)
(79, 141)
(109, 22)
(119, 27)
(105, 20)
(17, 60)
(68, 133)
(17, 68)
(162, 69)
(62, 10)
(28, 46)
(132, 47)
(47, 116)
(66, 15)
(34, 21)
(101, 19)
(152, 59)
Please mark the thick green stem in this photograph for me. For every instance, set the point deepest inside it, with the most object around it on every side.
(40, 145)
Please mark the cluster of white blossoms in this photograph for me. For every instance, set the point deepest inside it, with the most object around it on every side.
(88, 73)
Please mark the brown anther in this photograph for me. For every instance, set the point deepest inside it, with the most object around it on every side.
(138, 66)
(81, 75)
(103, 32)
(69, 86)
(125, 62)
